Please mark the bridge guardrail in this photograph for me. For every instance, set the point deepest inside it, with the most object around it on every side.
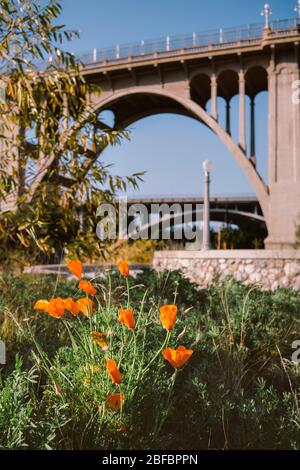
(223, 37)
(175, 45)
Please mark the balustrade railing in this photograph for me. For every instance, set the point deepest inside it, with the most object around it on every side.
(175, 45)
(172, 45)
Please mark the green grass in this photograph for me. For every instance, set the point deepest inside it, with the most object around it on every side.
(239, 390)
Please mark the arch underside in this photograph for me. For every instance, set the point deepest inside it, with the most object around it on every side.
(131, 109)
(256, 81)
(137, 103)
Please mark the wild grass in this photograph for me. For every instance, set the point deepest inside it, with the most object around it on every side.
(239, 390)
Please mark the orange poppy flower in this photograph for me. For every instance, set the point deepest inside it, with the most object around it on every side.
(99, 338)
(58, 304)
(41, 305)
(71, 306)
(85, 306)
(126, 317)
(87, 287)
(177, 357)
(168, 315)
(75, 266)
(113, 371)
(54, 307)
(115, 401)
(123, 268)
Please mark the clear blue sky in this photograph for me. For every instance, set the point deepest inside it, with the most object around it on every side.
(171, 148)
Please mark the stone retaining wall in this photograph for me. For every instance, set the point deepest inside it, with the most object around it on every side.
(267, 268)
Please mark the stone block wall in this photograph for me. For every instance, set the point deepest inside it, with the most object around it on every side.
(269, 269)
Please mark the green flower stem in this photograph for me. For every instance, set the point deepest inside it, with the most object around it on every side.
(109, 291)
(121, 407)
(168, 403)
(164, 345)
(128, 293)
(134, 359)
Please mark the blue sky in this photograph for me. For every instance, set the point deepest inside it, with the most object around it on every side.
(171, 148)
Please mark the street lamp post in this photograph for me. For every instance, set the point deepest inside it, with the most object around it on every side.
(297, 10)
(207, 167)
(266, 14)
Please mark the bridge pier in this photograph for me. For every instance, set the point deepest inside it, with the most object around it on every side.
(284, 155)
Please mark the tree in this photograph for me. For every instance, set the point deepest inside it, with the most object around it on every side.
(51, 139)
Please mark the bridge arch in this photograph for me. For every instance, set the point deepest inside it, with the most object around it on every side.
(170, 101)
(256, 77)
(217, 215)
(228, 83)
(200, 88)
(237, 217)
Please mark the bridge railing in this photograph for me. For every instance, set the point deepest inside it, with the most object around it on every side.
(193, 42)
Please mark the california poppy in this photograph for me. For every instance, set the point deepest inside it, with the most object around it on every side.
(126, 317)
(115, 401)
(87, 287)
(100, 339)
(41, 305)
(113, 371)
(85, 306)
(58, 304)
(123, 268)
(53, 307)
(75, 266)
(168, 315)
(71, 306)
(177, 357)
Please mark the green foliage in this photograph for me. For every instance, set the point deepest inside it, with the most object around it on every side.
(16, 407)
(51, 138)
(22, 418)
(238, 391)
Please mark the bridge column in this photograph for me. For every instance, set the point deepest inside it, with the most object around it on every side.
(252, 118)
(228, 122)
(242, 126)
(284, 153)
(214, 94)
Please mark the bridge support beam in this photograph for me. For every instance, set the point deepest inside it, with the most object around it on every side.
(214, 94)
(228, 121)
(242, 125)
(284, 155)
(252, 137)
